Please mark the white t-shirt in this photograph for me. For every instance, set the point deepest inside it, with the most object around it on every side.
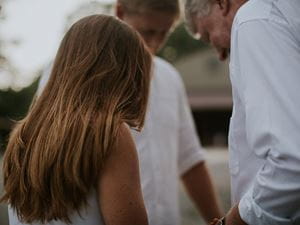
(168, 146)
(264, 137)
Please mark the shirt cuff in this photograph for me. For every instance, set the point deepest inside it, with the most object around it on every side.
(253, 214)
(191, 160)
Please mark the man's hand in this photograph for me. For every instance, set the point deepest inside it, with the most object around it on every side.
(215, 222)
(233, 217)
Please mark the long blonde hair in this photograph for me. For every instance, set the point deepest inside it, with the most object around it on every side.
(99, 80)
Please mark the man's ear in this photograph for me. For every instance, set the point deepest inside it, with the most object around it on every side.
(119, 11)
(224, 6)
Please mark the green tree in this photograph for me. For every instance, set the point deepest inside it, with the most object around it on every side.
(13, 107)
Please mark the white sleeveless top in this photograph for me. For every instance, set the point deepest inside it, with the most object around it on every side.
(89, 215)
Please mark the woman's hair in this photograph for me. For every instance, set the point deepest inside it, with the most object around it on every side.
(100, 79)
(141, 6)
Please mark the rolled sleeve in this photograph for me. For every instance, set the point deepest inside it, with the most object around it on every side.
(252, 213)
(190, 160)
(269, 64)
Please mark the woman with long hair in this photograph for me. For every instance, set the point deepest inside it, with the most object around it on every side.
(72, 159)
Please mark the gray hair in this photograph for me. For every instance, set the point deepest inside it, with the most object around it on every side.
(195, 9)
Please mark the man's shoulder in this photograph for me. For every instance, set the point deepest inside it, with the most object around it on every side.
(253, 10)
(166, 72)
(162, 65)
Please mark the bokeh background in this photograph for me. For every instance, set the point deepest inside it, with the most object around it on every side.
(30, 32)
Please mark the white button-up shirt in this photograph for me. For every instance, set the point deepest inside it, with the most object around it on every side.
(168, 146)
(265, 126)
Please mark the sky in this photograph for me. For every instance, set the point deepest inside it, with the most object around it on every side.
(39, 26)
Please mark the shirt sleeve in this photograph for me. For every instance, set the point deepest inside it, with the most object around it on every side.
(190, 150)
(269, 64)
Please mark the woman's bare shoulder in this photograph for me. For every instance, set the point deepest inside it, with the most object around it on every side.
(120, 195)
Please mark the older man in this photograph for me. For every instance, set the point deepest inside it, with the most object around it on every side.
(263, 37)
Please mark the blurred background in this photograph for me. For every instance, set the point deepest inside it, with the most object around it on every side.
(30, 32)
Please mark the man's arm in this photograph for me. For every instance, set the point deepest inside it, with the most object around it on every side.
(192, 167)
(199, 185)
(269, 59)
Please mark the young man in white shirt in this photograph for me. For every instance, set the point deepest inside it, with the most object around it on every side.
(264, 41)
(168, 146)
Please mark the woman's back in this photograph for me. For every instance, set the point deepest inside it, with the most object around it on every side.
(73, 151)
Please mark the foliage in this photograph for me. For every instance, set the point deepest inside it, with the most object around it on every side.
(14, 105)
(180, 44)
